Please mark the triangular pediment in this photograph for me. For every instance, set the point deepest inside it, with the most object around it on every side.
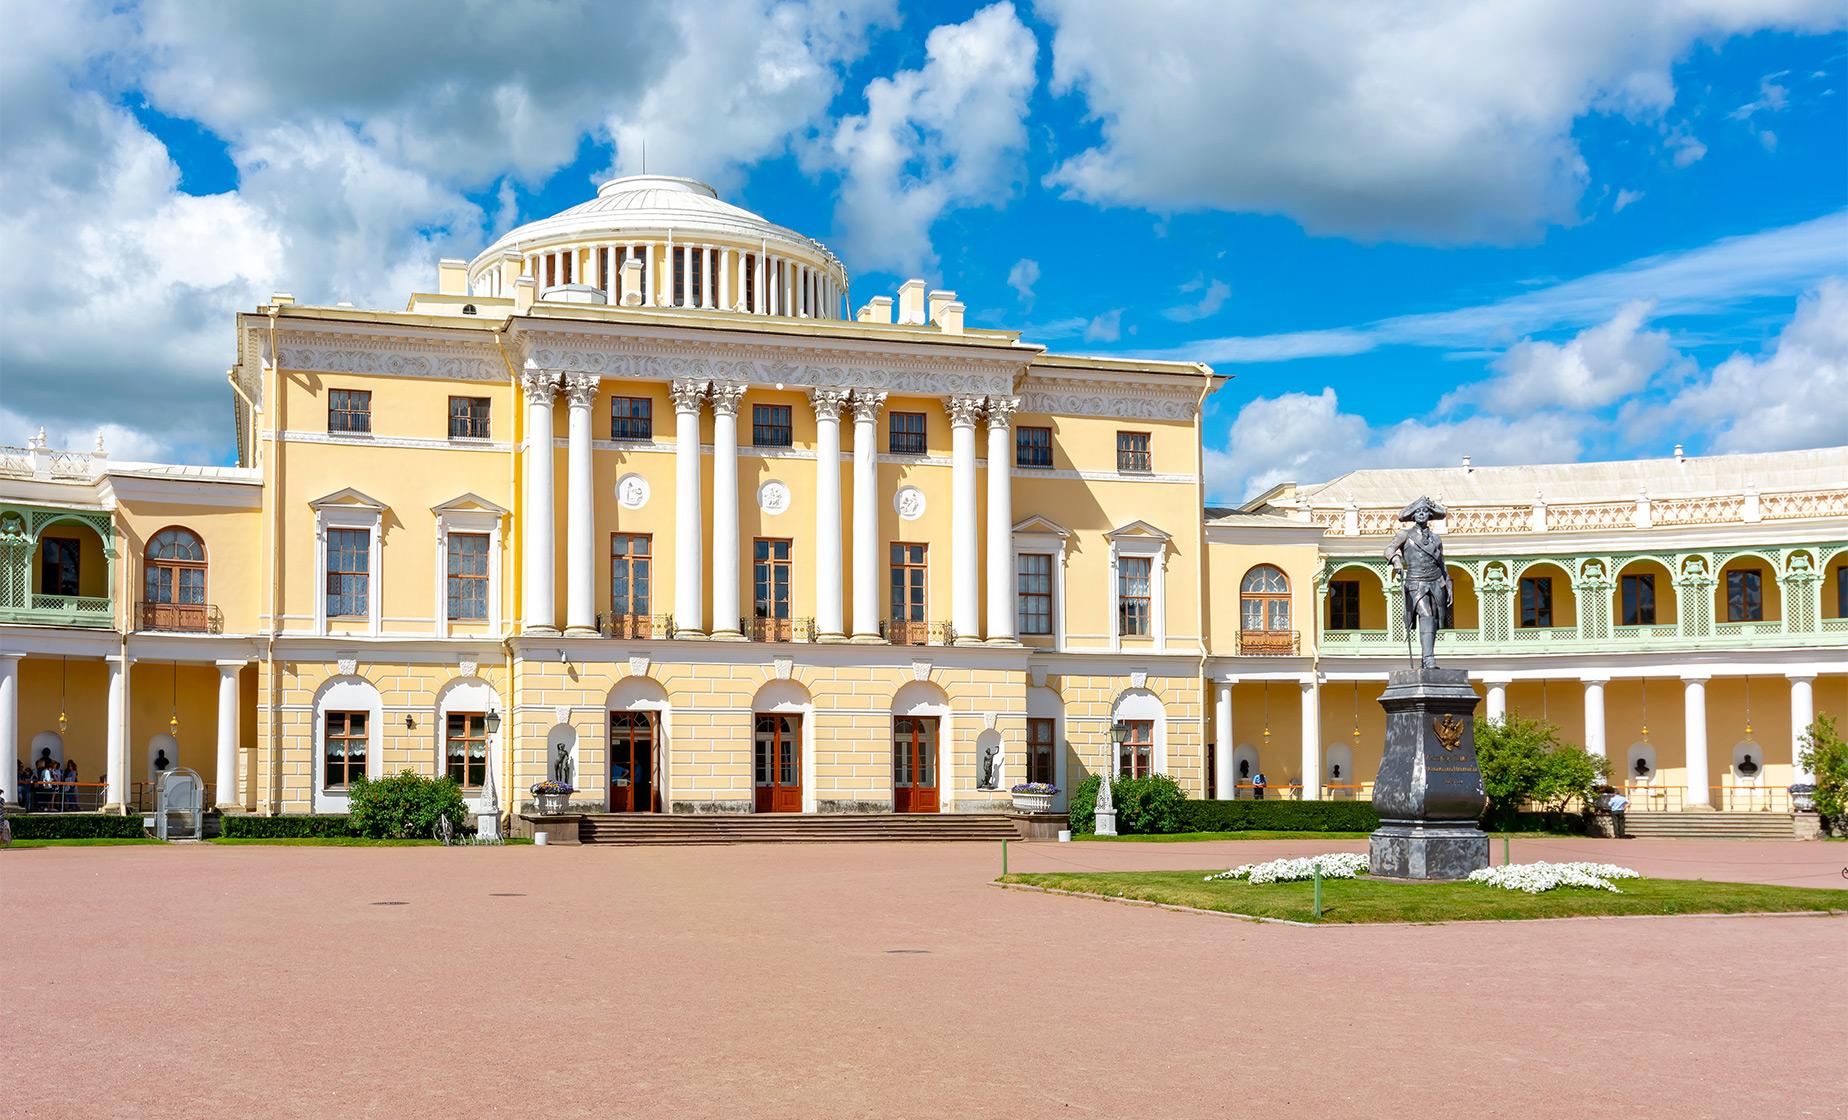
(470, 502)
(348, 498)
(1137, 531)
(1043, 525)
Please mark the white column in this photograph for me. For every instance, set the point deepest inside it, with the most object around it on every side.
(539, 385)
(116, 758)
(1003, 587)
(226, 778)
(667, 277)
(1312, 740)
(648, 277)
(1497, 688)
(776, 287)
(828, 585)
(866, 405)
(9, 726)
(759, 306)
(1695, 696)
(1802, 714)
(580, 508)
(725, 279)
(1594, 715)
(689, 590)
(708, 293)
(726, 396)
(612, 277)
(965, 566)
(1225, 765)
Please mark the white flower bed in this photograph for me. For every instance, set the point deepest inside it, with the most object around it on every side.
(1535, 878)
(1336, 865)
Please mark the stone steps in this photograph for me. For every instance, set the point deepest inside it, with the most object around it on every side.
(1710, 826)
(793, 828)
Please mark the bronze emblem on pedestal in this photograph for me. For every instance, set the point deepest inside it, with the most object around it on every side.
(1449, 731)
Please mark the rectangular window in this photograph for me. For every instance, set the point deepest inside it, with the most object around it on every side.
(770, 576)
(1639, 605)
(349, 410)
(770, 425)
(1039, 750)
(1033, 576)
(1536, 601)
(465, 739)
(631, 418)
(343, 749)
(1745, 601)
(631, 557)
(1133, 611)
(1344, 604)
(750, 282)
(1033, 447)
(907, 433)
(58, 570)
(908, 604)
(468, 418)
(468, 577)
(1136, 748)
(1133, 452)
(349, 567)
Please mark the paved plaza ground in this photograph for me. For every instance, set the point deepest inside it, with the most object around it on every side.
(878, 980)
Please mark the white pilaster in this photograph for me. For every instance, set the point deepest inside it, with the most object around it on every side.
(539, 385)
(1312, 739)
(1695, 697)
(9, 726)
(965, 565)
(580, 508)
(689, 590)
(225, 780)
(1594, 715)
(1003, 587)
(1802, 714)
(760, 304)
(866, 406)
(708, 294)
(116, 758)
(1225, 765)
(667, 276)
(725, 280)
(726, 396)
(828, 583)
(612, 279)
(1497, 689)
(649, 299)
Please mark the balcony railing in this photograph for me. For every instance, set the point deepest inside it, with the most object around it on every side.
(1267, 643)
(181, 618)
(778, 629)
(63, 610)
(634, 626)
(905, 632)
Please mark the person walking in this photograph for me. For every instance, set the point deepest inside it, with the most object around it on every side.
(1258, 782)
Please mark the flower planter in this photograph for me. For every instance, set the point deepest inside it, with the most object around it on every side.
(1032, 802)
(552, 804)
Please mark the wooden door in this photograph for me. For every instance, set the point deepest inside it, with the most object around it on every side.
(914, 764)
(777, 764)
(633, 788)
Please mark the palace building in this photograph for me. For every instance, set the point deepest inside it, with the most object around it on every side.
(639, 499)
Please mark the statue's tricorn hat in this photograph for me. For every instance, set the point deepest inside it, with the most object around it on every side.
(1432, 510)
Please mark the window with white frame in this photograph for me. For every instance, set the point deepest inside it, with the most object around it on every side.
(468, 546)
(1033, 571)
(349, 573)
(468, 577)
(347, 559)
(1138, 583)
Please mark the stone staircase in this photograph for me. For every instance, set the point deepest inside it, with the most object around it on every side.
(792, 828)
(1710, 826)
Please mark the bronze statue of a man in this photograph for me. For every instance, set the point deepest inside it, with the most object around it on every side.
(1418, 555)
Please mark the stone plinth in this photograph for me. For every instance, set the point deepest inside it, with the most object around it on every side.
(560, 828)
(1040, 826)
(1429, 791)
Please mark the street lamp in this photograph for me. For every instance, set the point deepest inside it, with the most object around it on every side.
(493, 722)
(1119, 733)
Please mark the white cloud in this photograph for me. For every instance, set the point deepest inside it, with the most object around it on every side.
(1795, 396)
(1305, 437)
(1211, 300)
(1596, 367)
(1107, 327)
(1625, 199)
(1022, 277)
(1431, 121)
(951, 133)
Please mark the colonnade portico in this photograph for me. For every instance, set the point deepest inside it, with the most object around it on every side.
(690, 396)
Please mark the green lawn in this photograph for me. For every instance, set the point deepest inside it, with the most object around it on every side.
(1250, 834)
(1365, 900)
(87, 842)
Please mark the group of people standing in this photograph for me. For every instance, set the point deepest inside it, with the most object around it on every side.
(46, 785)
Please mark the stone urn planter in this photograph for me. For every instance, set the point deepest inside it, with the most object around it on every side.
(1803, 798)
(552, 798)
(1033, 797)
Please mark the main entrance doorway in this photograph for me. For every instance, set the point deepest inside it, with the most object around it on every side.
(914, 764)
(634, 787)
(777, 768)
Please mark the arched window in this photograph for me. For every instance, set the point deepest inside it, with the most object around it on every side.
(174, 582)
(1264, 599)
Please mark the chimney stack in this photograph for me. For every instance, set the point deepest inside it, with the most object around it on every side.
(911, 303)
(452, 277)
(877, 310)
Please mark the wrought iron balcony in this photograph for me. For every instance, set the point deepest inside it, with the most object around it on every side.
(1267, 643)
(633, 626)
(778, 629)
(904, 632)
(180, 618)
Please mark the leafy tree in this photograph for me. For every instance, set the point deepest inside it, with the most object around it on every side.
(1148, 805)
(1524, 760)
(404, 807)
(1082, 806)
(1825, 755)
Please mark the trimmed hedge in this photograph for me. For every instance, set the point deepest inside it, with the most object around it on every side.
(291, 827)
(76, 826)
(1281, 816)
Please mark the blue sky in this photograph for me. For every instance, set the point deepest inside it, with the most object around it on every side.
(1526, 232)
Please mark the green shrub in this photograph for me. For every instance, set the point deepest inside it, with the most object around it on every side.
(1281, 816)
(1081, 807)
(76, 826)
(1149, 805)
(294, 826)
(1523, 760)
(404, 807)
(1825, 755)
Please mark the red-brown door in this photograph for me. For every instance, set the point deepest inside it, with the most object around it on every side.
(914, 764)
(777, 766)
(633, 788)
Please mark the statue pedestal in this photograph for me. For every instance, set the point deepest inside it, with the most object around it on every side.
(1106, 822)
(1429, 791)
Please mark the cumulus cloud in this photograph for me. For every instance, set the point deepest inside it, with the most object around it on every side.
(951, 133)
(1107, 327)
(1022, 277)
(1213, 296)
(1592, 369)
(1625, 199)
(1430, 121)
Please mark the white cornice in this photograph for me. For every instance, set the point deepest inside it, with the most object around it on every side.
(389, 350)
(1072, 392)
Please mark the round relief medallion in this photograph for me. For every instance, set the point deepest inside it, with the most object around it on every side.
(909, 502)
(773, 497)
(632, 491)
